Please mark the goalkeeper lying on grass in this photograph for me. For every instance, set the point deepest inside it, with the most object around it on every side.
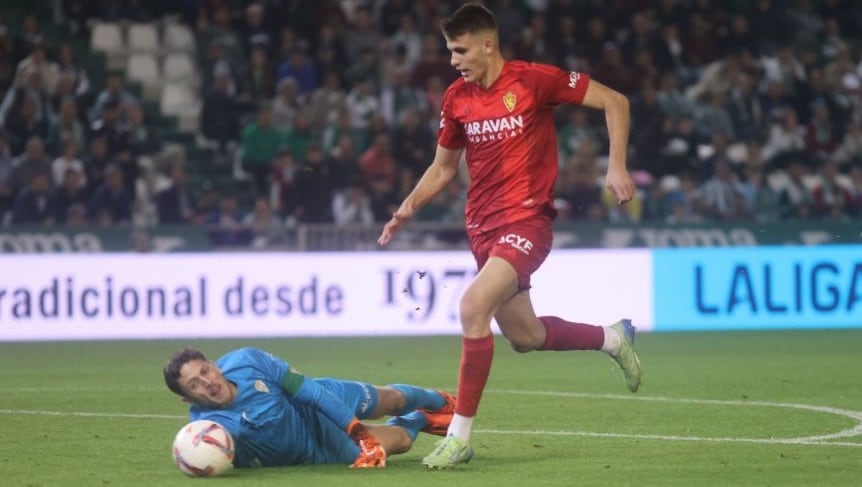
(280, 417)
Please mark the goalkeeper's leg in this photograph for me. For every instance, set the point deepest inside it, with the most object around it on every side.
(400, 399)
(394, 439)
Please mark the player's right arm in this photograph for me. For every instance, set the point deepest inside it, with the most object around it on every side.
(616, 108)
(435, 179)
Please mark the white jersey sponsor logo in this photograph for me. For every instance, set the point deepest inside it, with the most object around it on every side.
(518, 242)
(366, 398)
(574, 77)
(495, 129)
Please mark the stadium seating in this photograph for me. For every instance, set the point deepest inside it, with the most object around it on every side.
(178, 99)
(107, 38)
(143, 37)
(179, 67)
(144, 68)
(178, 38)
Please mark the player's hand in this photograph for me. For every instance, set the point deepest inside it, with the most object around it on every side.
(399, 218)
(371, 452)
(620, 182)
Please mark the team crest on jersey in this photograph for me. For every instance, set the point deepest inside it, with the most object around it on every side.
(509, 100)
(259, 386)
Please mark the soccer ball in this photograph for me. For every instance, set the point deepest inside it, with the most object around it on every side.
(203, 448)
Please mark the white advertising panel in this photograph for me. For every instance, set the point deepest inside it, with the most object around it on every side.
(114, 296)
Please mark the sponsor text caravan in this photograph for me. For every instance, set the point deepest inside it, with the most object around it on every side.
(495, 129)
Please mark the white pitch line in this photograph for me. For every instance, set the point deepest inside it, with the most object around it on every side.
(84, 389)
(79, 414)
(769, 441)
(854, 415)
(818, 440)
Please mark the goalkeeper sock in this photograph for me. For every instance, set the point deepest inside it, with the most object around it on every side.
(418, 398)
(412, 423)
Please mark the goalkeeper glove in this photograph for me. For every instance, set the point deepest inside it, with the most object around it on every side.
(371, 452)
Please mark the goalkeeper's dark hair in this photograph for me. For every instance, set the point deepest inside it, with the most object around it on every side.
(470, 18)
(175, 364)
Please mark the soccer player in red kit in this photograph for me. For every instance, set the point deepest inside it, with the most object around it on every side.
(501, 112)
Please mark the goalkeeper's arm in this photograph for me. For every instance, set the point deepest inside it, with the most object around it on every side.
(311, 393)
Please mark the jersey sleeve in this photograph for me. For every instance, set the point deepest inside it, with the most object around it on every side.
(313, 394)
(555, 86)
(451, 134)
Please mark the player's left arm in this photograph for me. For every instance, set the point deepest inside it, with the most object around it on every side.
(616, 108)
(313, 394)
(309, 392)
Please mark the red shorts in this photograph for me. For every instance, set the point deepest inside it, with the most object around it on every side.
(524, 244)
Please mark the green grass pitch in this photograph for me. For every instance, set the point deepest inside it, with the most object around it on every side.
(745, 408)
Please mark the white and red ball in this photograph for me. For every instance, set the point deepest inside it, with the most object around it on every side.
(203, 448)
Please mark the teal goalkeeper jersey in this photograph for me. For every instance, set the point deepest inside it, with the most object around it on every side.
(268, 427)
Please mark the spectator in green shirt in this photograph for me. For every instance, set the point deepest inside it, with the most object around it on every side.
(260, 142)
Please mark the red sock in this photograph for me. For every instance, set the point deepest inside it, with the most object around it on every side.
(476, 356)
(565, 335)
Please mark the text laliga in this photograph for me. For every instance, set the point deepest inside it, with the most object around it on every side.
(821, 287)
(282, 300)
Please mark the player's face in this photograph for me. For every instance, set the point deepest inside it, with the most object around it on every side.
(470, 54)
(205, 385)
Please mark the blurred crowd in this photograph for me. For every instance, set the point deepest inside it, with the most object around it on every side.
(742, 111)
(69, 149)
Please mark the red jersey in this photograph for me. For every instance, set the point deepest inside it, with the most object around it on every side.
(508, 131)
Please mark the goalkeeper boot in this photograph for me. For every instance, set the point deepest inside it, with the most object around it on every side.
(626, 357)
(448, 452)
(439, 419)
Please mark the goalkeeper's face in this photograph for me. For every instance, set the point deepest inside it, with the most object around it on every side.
(203, 384)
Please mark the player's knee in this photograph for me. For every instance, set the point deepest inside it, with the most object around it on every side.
(406, 442)
(474, 316)
(389, 401)
(518, 346)
(400, 442)
(522, 344)
(523, 340)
